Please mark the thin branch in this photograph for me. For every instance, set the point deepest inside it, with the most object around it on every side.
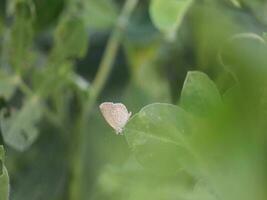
(96, 88)
(110, 54)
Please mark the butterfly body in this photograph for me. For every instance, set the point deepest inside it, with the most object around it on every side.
(116, 115)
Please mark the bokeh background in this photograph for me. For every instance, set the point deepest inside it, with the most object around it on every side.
(58, 145)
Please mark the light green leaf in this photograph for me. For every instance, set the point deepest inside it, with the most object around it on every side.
(7, 85)
(159, 136)
(4, 179)
(257, 9)
(21, 36)
(236, 3)
(71, 38)
(146, 75)
(200, 95)
(142, 185)
(45, 162)
(19, 129)
(100, 14)
(167, 15)
(240, 53)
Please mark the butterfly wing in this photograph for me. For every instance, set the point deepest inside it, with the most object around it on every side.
(115, 114)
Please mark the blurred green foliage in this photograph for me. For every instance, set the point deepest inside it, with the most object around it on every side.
(4, 179)
(192, 72)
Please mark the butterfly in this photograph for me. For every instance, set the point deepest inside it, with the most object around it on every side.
(116, 115)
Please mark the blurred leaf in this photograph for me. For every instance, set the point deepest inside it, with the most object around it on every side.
(71, 38)
(236, 3)
(21, 36)
(232, 95)
(168, 15)
(200, 192)
(59, 77)
(142, 185)
(4, 179)
(146, 74)
(213, 22)
(244, 55)
(41, 172)
(7, 85)
(100, 14)
(258, 9)
(47, 12)
(19, 130)
(199, 95)
(158, 135)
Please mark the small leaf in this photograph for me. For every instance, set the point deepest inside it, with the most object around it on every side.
(236, 3)
(71, 38)
(21, 34)
(146, 74)
(7, 85)
(159, 135)
(19, 130)
(4, 179)
(168, 15)
(200, 95)
(240, 53)
(100, 14)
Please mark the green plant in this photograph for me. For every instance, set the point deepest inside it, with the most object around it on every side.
(205, 61)
(4, 179)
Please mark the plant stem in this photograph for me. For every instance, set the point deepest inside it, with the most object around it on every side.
(110, 53)
(96, 88)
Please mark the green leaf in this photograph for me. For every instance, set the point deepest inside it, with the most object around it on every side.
(200, 95)
(71, 38)
(21, 34)
(47, 12)
(140, 183)
(4, 179)
(44, 161)
(236, 3)
(19, 130)
(257, 9)
(240, 53)
(7, 85)
(100, 14)
(146, 73)
(159, 135)
(168, 15)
